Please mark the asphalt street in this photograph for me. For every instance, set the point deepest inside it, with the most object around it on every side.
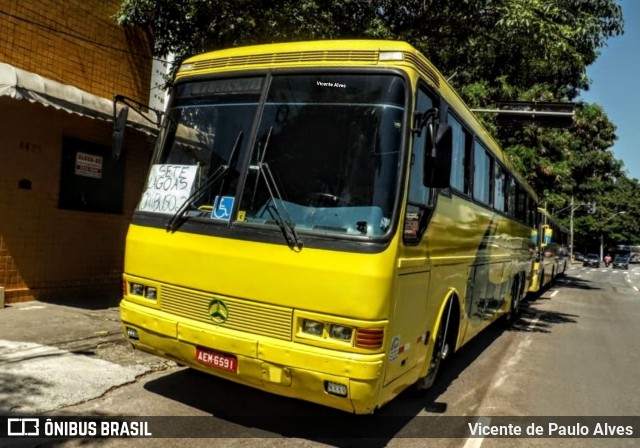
(571, 353)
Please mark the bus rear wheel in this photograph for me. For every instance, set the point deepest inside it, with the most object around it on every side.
(514, 310)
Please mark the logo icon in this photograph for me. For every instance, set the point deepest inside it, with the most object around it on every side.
(23, 427)
(222, 207)
(218, 311)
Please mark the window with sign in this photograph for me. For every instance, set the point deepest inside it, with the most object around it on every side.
(90, 179)
(324, 160)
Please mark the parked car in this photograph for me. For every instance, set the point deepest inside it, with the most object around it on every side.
(621, 262)
(591, 260)
(578, 256)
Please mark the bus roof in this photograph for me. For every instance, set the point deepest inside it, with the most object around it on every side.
(344, 53)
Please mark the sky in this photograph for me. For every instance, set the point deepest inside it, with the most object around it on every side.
(614, 85)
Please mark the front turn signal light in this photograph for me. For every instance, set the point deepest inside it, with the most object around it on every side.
(369, 338)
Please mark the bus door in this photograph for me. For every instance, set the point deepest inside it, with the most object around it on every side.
(410, 319)
(407, 329)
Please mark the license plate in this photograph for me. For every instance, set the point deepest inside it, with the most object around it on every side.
(218, 360)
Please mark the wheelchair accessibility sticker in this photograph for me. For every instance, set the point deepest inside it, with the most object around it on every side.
(222, 207)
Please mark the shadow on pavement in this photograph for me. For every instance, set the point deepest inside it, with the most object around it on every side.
(94, 303)
(249, 412)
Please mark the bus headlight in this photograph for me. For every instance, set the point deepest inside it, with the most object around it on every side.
(312, 327)
(136, 289)
(151, 293)
(141, 290)
(340, 332)
(334, 332)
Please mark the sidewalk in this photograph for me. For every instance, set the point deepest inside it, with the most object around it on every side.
(72, 325)
(54, 355)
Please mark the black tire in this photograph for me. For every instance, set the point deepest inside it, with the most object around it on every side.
(441, 351)
(514, 310)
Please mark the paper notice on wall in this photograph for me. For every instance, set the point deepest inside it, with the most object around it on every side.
(88, 165)
(168, 187)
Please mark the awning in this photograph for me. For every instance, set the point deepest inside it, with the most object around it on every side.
(24, 85)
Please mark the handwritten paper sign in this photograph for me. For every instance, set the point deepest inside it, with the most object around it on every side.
(168, 187)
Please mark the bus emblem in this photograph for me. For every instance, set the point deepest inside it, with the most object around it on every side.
(218, 311)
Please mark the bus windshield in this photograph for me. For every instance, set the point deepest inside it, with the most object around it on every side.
(323, 156)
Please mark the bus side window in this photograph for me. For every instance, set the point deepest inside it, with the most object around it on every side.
(531, 212)
(419, 195)
(461, 158)
(482, 174)
(511, 197)
(500, 188)
(521, 206)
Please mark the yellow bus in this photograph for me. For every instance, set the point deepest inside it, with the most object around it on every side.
(552, 253)
(323, 220)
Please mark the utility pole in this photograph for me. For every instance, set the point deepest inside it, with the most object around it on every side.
(571, 231)
(602, 230)
(591, 208)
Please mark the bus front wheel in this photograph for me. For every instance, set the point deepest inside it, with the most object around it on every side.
(441, 351)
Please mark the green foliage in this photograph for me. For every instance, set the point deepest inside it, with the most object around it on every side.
(519, 43)
(492, 51)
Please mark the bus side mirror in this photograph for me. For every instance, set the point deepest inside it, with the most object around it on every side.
(119, 125)
(438, 150)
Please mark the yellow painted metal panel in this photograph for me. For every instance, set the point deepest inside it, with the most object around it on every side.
(312, 279)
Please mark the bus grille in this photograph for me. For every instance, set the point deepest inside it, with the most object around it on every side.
(250, 317)
(296, 57)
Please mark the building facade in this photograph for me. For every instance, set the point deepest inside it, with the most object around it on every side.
(65, 201)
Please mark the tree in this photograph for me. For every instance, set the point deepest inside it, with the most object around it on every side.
(520, 42)
(491, 50)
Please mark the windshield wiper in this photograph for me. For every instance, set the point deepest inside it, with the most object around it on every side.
(282, 217)
(218, 174)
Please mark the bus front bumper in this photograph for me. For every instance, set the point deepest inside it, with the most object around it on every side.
(280, 367)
